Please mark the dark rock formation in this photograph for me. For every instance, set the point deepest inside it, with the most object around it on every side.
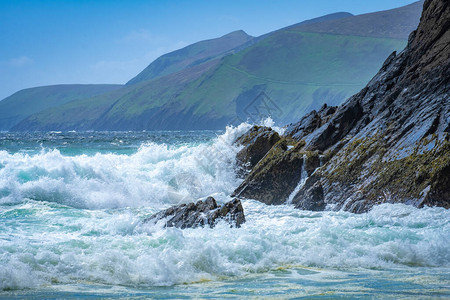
(276, 175)
(273, 179)
(202, 213)
(388, 143)
(257, 142)
(310, 197)
(310, 122)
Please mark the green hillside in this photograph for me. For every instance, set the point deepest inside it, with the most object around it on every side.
(285, 74)
(89, 113)
(24, 103)
(298, 71)
(393, 23)
(192, 55)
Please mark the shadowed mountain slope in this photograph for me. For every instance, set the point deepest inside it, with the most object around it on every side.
(283, 74)
(24, 103)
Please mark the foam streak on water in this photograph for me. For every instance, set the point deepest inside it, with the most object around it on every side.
(76, 221)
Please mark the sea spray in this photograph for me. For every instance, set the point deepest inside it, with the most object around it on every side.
(45, 243)
(301, 183)
(156, 174)
(76, 220)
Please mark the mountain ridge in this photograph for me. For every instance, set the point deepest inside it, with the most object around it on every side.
(364, 24)
(203, 51)
(296, 70)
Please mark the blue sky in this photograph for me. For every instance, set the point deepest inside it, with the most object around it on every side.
(80, 41)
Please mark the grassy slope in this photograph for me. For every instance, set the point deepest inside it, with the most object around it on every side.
(294, 68)
(87, 113)
(393, 23)
(24, 103)
(197, 57)
(299, 70)
(192, 55)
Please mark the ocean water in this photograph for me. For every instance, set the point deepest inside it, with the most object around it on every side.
(72, 205)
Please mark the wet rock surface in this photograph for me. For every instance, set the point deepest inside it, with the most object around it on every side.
(388, 143)
(200, 214)
(257, 142)
(310, 122)
(273, 179)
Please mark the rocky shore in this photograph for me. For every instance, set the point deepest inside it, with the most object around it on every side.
(388, 143)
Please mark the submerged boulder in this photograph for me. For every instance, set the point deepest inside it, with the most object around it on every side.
(202, 213)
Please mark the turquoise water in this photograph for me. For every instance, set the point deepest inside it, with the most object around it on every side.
(72, 205)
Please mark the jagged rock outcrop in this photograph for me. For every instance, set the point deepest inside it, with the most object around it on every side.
(388, 143)
(202, 213)
(310, 122)
(276, 175)
(257, 142)
(270, 181)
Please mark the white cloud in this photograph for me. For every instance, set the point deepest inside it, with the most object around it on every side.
(20, 61)
(229, 19)
(137, 35)
(142, 36)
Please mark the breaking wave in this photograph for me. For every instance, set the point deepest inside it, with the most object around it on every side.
(78, 219)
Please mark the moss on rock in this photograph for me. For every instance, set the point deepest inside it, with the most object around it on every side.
(417, 178)
(273, 179)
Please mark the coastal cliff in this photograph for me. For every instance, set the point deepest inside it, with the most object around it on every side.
(388, 143)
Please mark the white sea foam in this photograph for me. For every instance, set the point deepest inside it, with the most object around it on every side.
(269, 122)
(157, 175)
(65, 245)
(75, 219)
